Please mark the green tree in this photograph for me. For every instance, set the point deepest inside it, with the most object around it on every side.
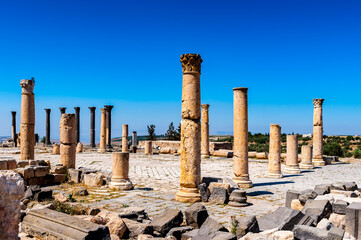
(171, 133)
(151, 132)
(357, 153)
(178, 133)
(333, 149)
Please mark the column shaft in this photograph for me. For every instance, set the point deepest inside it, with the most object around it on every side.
(68, 140)
(77, 120)
(109, 125)
(47, 132)
(120, 171)
(103, 130)
(306, 153)
(205, 131)
(125, 138)
(13, 128)
(275, 152)
(92, 126)
(292, 155)
(318, 132)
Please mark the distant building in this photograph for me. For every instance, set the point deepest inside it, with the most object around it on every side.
(307, 135)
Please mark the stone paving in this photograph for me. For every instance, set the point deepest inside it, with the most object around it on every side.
(156, 180)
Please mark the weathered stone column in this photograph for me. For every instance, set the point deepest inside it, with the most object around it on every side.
(77, 120)
(92, 126)
(27, 140)
(103, 130)
(109, 125)
(306, 152)
(292, 155)
(125, 138)
(47, 131)
(62, 110)
(67, 140)
(317, 132)
(190, 129)
(240, 132)
(56, 149)
(134, 142)
(120, 170)
(13, 129)
(148, 148)
(205, 131)
(79, 147)
(274, 152)
(11, 193)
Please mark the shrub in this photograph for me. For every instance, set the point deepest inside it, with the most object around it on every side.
(332, 149)
(357, 153)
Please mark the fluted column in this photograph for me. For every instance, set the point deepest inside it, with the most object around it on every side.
(47, 130)
(103, 130)
(317, 132)
(125, 138)
(68, 140)
(306, 153)
(62, 110)
(92, 126)
(109, 125)
(240, 132)
(190, 129)
(77, 120)
(205, 131)
(27, 136)
(274, 152)
(292, 155)
(13, 128)
(120, 171)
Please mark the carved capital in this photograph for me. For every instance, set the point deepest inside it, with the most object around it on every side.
(205, 106)
(108, 107)
(317, 103)
(103, 110)
(27, 85)
(191, 63)
(47, 110)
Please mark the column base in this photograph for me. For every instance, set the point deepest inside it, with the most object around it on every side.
(121, 184)
(318, 162)
(243, 182)
(306, 166)
(205, 156)
(273, 175)
(292, 170)
(102, 150)
(189, 195)
(237, 204)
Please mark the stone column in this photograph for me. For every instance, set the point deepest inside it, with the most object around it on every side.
(125, 138)
(274, 152)
(92, 126)
(306, 153)
(317, 133)
(56, 149)
(190, 130)
(148, 148)
(205, 131)
(109, 125)
(292, 155)
(27, 140)
(62, 110)
(47, 134)
(67, 140)
(79, 147)
(77, 120)
(11, 193)
(103, 130)
(13, 129)
(240, 132)
(134, 142)
(120, 170)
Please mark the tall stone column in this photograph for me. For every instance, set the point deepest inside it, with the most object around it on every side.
(317, 132)
(274, 152)
(68, 140)
(27, 140)
(240, 132)
(62, 110)
(292, 155)
(77, 120)
(125, 138)
(205, 131)
(47, 130)
(109, 125)
(306, 153)
(134, 142)
(103, 130)
(13, 128)
(120, 170)
(190, 129)
(92, 126)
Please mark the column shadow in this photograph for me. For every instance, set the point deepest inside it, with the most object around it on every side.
(271, 183)
(259, 193)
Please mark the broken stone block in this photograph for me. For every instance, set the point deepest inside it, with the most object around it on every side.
(213, 185)
(11, 164)
(290, 195)
(136, 228)
(74, 175)
(167, 220)
(3, 165)
(140, 213)
(283, 235)
(178, 231)
(317, 209)
(204, 191)
(246, 225)
(350, 186)
(306, 195)
(46, 223)
(338, 186)
(117, 227)
(81, 192)
(233, 185)
(22, 163)
(209, 180)
(58, 169)
(210, 226)
(296, 204)
(339, 207)
(93, 179)
(338, 220)
(196, 215)
(43, 194)
(218, 195)
(322, 189)
(223, 236)
(59, 178)
(238, 198)
(353, 223)
(26, 172)
(92, 211)
(41, 171)
(309, 233)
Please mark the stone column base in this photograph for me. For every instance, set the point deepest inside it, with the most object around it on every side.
(121, 184)
(306, 166)
(243, 182)
(273, 175)
(102, 150)
(189, 195)
(206, 156)
(318, 162)
(292, 170)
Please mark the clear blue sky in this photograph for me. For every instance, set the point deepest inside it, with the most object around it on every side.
(126, 53)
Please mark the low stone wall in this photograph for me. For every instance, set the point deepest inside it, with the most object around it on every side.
(214, 146)
(162, 144)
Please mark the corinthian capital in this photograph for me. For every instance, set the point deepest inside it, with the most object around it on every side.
(191, 63)
(317, 103)
(205, 106)
(27, 85)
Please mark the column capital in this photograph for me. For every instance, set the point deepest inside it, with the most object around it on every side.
(103, 110)
(108, 107)
(27, 85)
(243, 89)
(13, 112)
(92, 108)
(47, 110)
(317, 102)
(62, 108)
(191, 63)
(77, 109)
(205, 106)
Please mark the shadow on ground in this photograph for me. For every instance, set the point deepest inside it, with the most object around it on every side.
(259, 193)
(271, 183)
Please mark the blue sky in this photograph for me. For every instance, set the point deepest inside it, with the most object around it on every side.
(126, 53)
